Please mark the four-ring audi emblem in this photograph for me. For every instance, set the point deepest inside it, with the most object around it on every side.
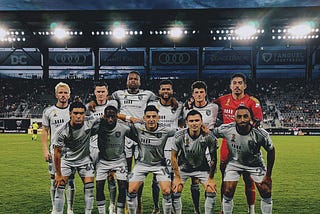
(70, 58)
(176, 58)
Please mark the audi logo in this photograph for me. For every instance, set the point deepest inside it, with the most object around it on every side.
(70, 58)
(174, 58)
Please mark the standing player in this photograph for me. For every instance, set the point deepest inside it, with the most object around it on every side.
(228, 104)
(112, 159)
(72, 153)
(96, 108)
(169, 117)
(244, 142)
(190, 146)
(209, 112)
(35, 127)
(152, 140)
(53, 117)
(132, 102)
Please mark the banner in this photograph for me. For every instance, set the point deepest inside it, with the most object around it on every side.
(19, 58)
(227, 57)
(282, 57)
(15, 125)
(178, 58)
(122, 57)
(79, 58)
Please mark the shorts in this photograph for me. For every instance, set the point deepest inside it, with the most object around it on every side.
(94, 154)
(35, 131)
(140, 172)
(130, 148)
(224, 151)
(201, 175)
(167, 152)
(51, 167)
(85, 170)
(103, 169)
(233, 172)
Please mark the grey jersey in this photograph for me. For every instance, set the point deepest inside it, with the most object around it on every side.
(53, 117)
(209, 114)
(192, 152)
(151, 144)
(133, 104)
(99, 111)
(75, 142)
(168, 117)
(245, 149)
(111, 143)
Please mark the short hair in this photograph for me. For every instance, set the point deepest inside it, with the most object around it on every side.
(194, 112)
(62, 84)
(101, 84)
(166, 82)
(241, 75)
(151, 108)
(134, 72)
(199, 84)
(243, 107)
(77, 104)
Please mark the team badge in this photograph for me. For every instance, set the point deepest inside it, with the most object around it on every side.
(208, 112)
(118, 134)
(233, 138)
(158, 135)
(228, 102)
(140, 96)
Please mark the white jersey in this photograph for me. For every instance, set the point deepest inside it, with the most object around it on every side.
(168, 117)
(133, 104)
(209, 114)
(244, 149)
(99, 111)
(151, 144)
(53, 117)
(75, 142)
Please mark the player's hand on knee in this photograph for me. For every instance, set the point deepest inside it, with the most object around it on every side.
(210, 185)
(266, 184)
(177, 185)
(59, 181)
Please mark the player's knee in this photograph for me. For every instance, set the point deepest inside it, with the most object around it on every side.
(227, 191)
(210, 194)
(176, 195)
(131, 196)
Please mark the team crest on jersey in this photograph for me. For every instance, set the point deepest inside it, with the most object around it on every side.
(140, 97)
(233, 138)
(118, 134)
(208, 112)
(228, 102)
(158, 135)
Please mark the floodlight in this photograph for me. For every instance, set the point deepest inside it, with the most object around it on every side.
(119, 33)
(3, 33)
(176, 32)
(60, 33)
(301, 29)
(246, 31)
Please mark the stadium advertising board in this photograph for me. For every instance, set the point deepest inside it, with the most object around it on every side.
(26, 58)
(71, 58)
(292, 131)
(128, 58)
(289, 56)
(14, 125)
(226, 57)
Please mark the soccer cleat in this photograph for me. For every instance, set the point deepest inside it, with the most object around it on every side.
(155, 211)
(112, 209)
(70, 211)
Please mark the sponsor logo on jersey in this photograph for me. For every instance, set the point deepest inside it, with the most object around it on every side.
(228, 102)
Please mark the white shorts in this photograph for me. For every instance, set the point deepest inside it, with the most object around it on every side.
(94, 154)
(85, 170)
(51, 167)
(233, 172)
(167, 152)
(129, 144)
(140, 172)
(201, 175)
(105, 167)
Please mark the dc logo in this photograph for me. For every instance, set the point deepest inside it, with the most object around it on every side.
(208, 112)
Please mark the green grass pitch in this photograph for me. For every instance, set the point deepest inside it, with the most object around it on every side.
(24, 179)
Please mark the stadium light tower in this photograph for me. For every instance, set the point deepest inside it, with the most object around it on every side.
(60, 33)
(301, 29)
(247, 30)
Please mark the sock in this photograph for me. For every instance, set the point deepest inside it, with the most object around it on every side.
(251, 209)
(166, 204)
(266, 205)
(132, 203)
(101, 207)
(155, 192)
(112, 190)
(195, 193)
(52, 192)
(59, 199)
(176, 203)
(209, 202)
(139, 196)
(88, 196)
(70, 193)
(120, 210)
(227, 205)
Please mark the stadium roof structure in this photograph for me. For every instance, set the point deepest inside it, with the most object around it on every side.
(149, 28)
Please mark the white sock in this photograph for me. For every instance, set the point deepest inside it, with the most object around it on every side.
(59, 199)
(88, 196)
(227, 205)
(177, 204)
(251, 209)
(166, 204)
(266, 205)
(52, 192)
(210, 202)
(132, 203)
